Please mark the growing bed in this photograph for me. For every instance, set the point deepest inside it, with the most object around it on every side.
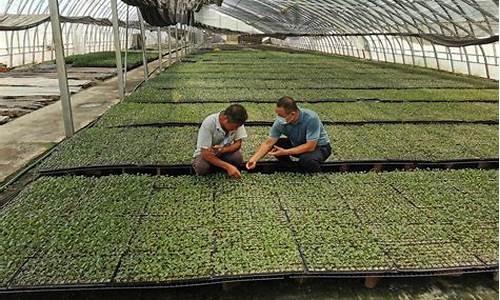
(108, 59)
(126, 229)
(151, 94)
(164, 146)
(139, 114)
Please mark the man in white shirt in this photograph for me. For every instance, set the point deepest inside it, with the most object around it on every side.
(219, 142)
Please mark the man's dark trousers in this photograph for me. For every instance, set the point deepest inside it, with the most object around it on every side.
(310, 161)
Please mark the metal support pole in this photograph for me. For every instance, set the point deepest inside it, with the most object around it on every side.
(36, 42)
(143, 37)
(400, 43)
(126, 49)
(9, 52)
(169, 46)
(410, 44)
(188, 38)
(61, 68)
(11, 57)
(183, 36)
(467, 62)
(176, 43)
(26, 33)
(423, 51)
(436, 56)
(193, 38)
(450, 58)
(486, 69)
(99, 43)
(181, 41)
(118, 50)
(160, 55)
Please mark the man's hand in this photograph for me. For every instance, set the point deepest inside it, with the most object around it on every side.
(278, 151)
(233, 172)
(217, 150)
(251, 164)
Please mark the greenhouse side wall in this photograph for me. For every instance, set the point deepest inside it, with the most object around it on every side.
(86, 28)
(35, 45)
(480, 60)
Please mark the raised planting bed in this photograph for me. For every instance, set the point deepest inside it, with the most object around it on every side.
(172, 146)
(316, 71)
(138, 113)
(294, 63)
(304, 80)
(128, 230)
(311, 83)
(169, 75)
(186, 94)
(151, 113)
(107, 59)
(459, 80)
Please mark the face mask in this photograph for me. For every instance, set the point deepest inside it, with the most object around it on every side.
(282, 120)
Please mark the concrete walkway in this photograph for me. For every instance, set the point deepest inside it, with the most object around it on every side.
(29, 136)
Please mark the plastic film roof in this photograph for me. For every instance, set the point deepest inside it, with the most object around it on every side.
(451, 18)
(156, 13)
(23, 22)
(459, 18)
(92, 8)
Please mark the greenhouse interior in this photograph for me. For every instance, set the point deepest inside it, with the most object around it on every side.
(243, 149)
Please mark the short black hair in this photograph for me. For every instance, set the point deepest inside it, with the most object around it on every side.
(236, 114)
(288, 104)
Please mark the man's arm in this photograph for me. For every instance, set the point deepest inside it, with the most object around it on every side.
(261, 152)
(209, 156)
(230, 148)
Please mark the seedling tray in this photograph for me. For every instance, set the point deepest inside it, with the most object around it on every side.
(251, 223)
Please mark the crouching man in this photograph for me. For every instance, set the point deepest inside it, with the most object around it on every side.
(219, 142)
(305, 138)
